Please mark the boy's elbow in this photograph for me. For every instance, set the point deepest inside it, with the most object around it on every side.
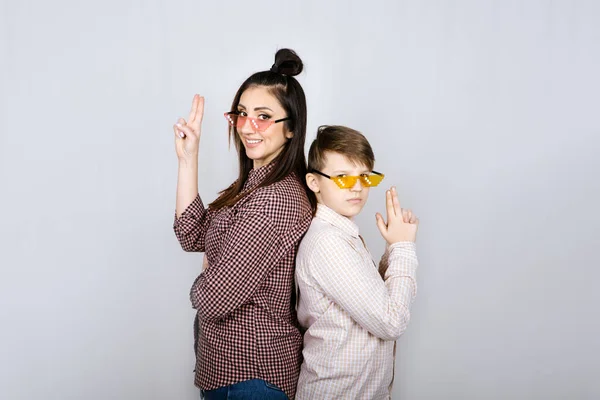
(395, 334)
(395, 329)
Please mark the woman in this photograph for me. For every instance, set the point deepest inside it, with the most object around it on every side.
(247, 340)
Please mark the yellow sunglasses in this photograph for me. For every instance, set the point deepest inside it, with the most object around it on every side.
(348, 181)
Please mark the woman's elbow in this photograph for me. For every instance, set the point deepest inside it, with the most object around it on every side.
(189, 248)
(188, 244)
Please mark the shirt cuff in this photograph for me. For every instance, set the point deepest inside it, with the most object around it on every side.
(402, 259)
(193, 211)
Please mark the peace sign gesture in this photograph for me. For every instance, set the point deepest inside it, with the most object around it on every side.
(401, 224)
(187, 134)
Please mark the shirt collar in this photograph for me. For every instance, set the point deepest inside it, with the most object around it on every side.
(339, 221)
(256, 176)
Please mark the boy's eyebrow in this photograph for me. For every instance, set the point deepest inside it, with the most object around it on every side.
(344, 172)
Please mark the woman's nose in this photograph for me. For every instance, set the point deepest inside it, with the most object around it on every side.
(246, 127)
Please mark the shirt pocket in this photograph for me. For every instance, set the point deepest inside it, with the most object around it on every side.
(220, 224)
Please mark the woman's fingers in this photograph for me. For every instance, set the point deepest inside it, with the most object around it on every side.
(198, 111)
(194, 109)
(186, 130)
(177, 128)
(179, 134)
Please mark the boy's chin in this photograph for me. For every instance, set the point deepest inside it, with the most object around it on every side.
(351, 212)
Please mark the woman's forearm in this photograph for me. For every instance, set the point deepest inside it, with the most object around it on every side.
(187, 184)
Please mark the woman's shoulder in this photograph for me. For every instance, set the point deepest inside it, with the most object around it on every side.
(285, 196)
(288, 189)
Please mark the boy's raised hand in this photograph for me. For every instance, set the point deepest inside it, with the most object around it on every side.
(401, 224)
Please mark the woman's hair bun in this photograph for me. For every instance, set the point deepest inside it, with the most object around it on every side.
(287, 62)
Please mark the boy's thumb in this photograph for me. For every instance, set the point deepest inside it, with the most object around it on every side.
(381, 224)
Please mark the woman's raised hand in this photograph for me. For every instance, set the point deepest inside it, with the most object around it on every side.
(187, 133)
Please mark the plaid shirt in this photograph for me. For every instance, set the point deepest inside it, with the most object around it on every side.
(246, 325)
(352, 311)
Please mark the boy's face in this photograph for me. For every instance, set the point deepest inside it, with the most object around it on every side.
(346, 202)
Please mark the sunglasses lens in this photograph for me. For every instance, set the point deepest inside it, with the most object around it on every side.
(238, 121)
(232, 119)
(345, 182)
(261, 125)
(371, 180)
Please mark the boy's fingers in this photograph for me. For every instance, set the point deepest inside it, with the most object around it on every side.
(405, 215)
(397, 207)
(381, 224)
(389, 205)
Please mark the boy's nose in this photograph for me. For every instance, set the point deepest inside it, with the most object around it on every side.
(357, 186)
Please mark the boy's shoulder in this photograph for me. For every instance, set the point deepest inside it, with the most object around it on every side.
(321, 235)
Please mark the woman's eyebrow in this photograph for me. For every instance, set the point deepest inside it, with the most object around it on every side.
(256, 108)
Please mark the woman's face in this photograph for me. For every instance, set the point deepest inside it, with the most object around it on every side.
(262, 147)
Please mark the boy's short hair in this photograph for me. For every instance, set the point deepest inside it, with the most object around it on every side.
(342, 140)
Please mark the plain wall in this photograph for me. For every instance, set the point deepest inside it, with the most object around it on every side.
(484, 113)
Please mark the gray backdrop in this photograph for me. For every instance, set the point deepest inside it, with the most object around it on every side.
(484, 113)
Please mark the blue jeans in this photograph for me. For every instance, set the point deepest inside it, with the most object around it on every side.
(254, 389)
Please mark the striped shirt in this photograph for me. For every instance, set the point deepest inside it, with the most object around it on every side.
(246, 326)
(352, 311)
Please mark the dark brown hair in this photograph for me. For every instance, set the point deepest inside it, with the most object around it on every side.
(343, 140)
(280, 81)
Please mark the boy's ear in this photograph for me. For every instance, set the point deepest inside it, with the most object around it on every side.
(312, 182)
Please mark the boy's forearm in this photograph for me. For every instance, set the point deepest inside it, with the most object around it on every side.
(402, 263)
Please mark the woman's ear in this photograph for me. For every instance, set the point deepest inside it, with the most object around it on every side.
(289, 135)
(312, 182)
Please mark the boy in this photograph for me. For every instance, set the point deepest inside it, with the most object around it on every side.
(352, 311)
